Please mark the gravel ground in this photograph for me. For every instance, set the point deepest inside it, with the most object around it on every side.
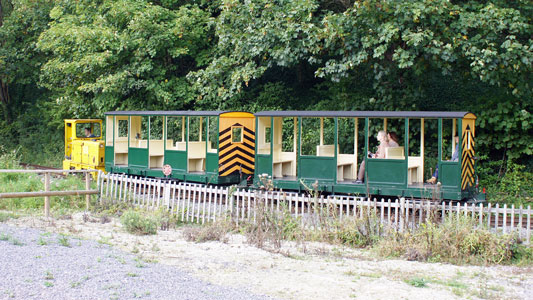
(39, 265)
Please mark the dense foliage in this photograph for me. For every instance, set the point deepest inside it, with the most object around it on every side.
(62, 58)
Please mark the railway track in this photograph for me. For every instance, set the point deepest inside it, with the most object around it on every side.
(39, 167)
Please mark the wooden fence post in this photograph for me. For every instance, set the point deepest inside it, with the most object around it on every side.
(87, 187)
(47, 198)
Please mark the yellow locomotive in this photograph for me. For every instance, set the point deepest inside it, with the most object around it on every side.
(84, 146)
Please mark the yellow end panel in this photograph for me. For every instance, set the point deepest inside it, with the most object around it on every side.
(467, 157)
(237, 114)
(470, 116)
(238, 156)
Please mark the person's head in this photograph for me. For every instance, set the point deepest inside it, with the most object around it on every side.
(456, 139)
(393, 136)
(382, 136)
(87, 131)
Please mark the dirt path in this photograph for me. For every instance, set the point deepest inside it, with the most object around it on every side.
(321, 271)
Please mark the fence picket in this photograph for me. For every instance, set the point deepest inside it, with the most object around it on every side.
(504, 225)
(203, 203)
(481, 215)
(528, 222)
(496, 216)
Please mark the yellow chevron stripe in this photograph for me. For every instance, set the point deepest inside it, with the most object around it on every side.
(247, 142)
(237, 146)
(236, 168)
(238, 160)
(467, 164)
(252, 136)
(228, 135)
(234, 154)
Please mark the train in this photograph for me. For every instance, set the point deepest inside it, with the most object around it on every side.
(292, 150)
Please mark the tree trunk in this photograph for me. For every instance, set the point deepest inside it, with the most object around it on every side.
(5, 101)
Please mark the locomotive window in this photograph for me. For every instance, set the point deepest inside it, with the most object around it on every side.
(236, 134)
(94, 128)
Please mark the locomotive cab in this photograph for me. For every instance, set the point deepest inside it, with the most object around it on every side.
(84, 147)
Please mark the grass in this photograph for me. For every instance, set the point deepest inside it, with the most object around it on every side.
(136, 222)
(9, 238)
(4, 216)
(417, 282)
(28, 182)
(63, 241)
(48, 275)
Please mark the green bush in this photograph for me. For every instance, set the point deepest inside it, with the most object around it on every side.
(136, 223)
(506, 182)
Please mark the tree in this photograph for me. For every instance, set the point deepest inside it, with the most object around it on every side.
(21, 23)
(131, 54)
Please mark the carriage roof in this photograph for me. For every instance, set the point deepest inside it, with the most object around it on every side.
(363, 114)
(166, 113)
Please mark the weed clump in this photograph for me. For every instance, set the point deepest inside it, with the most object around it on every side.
(217, 231)
(456, 240)
(136, 223)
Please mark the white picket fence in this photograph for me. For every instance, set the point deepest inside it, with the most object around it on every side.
(198, 203)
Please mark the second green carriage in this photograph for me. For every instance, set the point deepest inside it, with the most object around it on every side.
(299, 149)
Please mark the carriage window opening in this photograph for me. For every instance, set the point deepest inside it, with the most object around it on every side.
(139, 132)
(196, 128)
(346, 138)
(449, 130)
(236, 134)
(394, 125)
(415, 137)
(175, 133)
(156, 149)
(318, 136)
(268, 134)
(95, 129)
(431, 146)
(213, 134)
(288, 135)
(122, 128)
(310, 137)
(263, 132)
(156, 128)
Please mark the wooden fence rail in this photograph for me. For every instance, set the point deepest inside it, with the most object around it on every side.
(47, 193)
(200, 203)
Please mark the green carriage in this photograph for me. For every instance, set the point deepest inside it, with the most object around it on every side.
(199, 146)
(324, 149)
